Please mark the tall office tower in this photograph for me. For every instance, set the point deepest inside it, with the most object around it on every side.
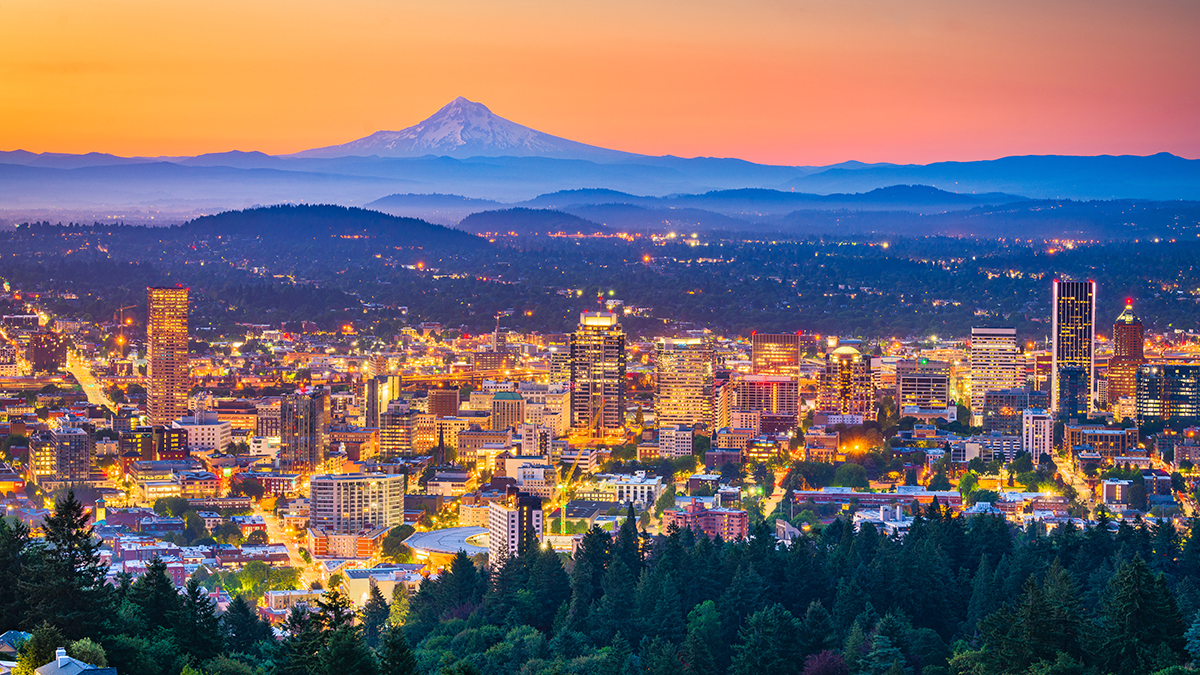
(1037, 431)
(351, 503)
(512, 520)
(266, 416)
(508, 410)
(560, 363)
(776, 353)
(167, 354)
(303, 429)
(1072, 384)
(1003, 409)
(380, 390)
(396, 431)
(683, 390)
(1073, 320)
(598, 373)
(1128, 336)
(443, 403)
(500, 341)
(923, 383)
(777, 394)
(846, 384)
(995, 364)
(74, 452)
(1168, 393)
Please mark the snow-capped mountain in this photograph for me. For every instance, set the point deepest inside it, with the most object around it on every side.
(466, 129)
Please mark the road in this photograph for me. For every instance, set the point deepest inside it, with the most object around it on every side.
(82, 372)
(277, 535)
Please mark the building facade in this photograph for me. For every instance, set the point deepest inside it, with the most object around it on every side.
(1073, 334)
(515, 518)
(776, 354)
(304, 424)
(1168, 393)
(167, 354)
(683, 390)
(846, 388)
(598, 373)
(995, 364)
(352, 503)
(1128, 355)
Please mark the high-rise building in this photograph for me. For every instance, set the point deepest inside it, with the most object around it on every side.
(1003, 409)
(43, 456)
(1168, 393)
(167, 354)
(75, 452)
(776, 394)
(560, 363)
(515, 519)
(996, 364)
(380, 390)
(683, 389)
(1072, 382)
(443, 402)
(1072, 343)
(351, 503)
(1128, 340)
(923, 383)
(846, 388)
(598, 373)
(304, 424)
(776, 353)
(1037, 433)
(508, 410)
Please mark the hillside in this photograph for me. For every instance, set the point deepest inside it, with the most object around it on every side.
(524, 221)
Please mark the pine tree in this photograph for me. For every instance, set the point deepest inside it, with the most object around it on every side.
(396, 656)
(817, 631)
(626, 546)
(15, 555)
(767, 643)
(549, 587)
(154, 593)
(611, 613)
(299, 651)
(66, 585)
(347, 654)
(242, 628)
(197, 629)
(1142, 629)
(334, 610)
(591, 560)
(984, 595)
(398, 612)
(702, 641)
(38, 650)
(374, 617)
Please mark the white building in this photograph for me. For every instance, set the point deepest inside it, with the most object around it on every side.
(639, 488)
(1037, 430)
(350, 503)
(205, 431)
(675, 441)
(539, 480)
(994, 355)
(509, 521)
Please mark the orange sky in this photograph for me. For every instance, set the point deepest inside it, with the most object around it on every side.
(781, 81)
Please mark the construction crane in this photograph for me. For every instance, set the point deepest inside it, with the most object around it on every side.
(120, 317)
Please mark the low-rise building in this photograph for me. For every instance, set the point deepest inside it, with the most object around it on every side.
(729, 524)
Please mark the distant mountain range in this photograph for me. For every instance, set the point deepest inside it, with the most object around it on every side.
(465, 149)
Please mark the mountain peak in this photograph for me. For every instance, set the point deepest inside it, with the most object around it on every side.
(464, 128)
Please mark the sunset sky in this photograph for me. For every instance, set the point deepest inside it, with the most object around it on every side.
(779, 81)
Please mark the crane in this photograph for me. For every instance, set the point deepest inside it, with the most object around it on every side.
(120, 317)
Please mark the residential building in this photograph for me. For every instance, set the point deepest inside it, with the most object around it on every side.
(1037, 433)
(675, 442)
(729, 524)
(354, 502)
(515, 519)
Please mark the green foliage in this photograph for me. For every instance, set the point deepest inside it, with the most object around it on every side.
(393, 549)
(38, 650)
(665, 501)
(850, 475)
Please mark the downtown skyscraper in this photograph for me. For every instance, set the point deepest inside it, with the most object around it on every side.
(167, 354)
(994, 364)
(1128, 340)
(598, 373)
(776, 353)
(1073, 333)
(304, 423)
(683, 392)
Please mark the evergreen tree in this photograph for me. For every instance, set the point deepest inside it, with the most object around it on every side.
(884, 659)
(242, 627)
(197, 629)
(549, 587)
(817, 632)
(39, 649)
(374, 617)
(1140, 623)
(15, 554)
(334, 610)
(396, 657)
(398, 612)
(703, 639)
(154, 593)
(299, 651)
(66, 585)
(767, 643)
(345, 653)
(626, 546)
(591, 561)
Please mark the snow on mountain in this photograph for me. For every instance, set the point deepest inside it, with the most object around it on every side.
(466, 129)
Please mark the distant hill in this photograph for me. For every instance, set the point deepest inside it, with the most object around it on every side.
(320, 221)
(632, 218)
(525, 221)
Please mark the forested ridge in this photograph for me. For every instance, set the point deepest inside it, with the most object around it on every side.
(954, 595)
